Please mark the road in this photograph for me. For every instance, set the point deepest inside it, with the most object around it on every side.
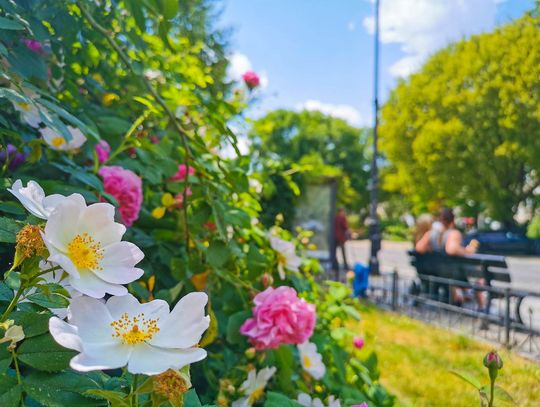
(524, 270)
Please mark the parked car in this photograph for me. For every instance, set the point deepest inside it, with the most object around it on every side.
(503, 242)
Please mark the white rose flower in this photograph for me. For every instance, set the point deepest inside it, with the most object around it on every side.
(58, 142)
(306, 401)
(33, 198)
(286, 253)
(311, 360)
(86, 242)
(253, 387)
(148, 338)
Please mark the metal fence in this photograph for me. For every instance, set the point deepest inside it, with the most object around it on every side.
(512, 320)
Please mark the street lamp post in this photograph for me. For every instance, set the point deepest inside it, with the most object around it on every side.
(374, 232)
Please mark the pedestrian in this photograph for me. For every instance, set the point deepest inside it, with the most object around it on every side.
(341, 235)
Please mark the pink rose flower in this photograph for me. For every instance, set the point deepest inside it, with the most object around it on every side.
(251, 79)
(126, 187)
(358, 342)
(182, 171)
(33, 45)
(279, 317)
(179, 198)
(103, 151)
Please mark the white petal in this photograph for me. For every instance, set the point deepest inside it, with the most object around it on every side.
(62, 260)
(88, 283)
(31, 197)
(265, 375)
(101, 356)
(77, 139)
(304, 399)
(119, 275)
(119, 305)
(98, 221)
(185, 325)
(65, 334)
(61, 227)
(152, 360)
(241, 402)
(92, 319)
(121, 254)
(317, 403)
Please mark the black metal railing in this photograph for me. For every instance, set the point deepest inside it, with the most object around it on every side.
(503, 322)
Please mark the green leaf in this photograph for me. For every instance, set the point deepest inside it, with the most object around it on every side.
(43, 353)
(6, 293)
(8, 230)
(274, 399)
(233, 327)
(60, 390)
(473, 381)
(7, 24)
(117, 399)
(64, 114)
(285, 363)
(10, 391)
(50, 295)
(191, 399)
(352, 312)
(170, 8)
(5, 358)
(217, 253)
(33, 323)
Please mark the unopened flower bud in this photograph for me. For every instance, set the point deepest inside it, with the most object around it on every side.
(267, 280)
(358, 342)
(318, 388)
(250, 353)
(13, 334)
(493, 360)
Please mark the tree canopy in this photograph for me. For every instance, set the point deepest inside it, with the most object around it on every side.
(318, 146)
(465, 129)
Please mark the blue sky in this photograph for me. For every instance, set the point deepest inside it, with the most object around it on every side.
(317, 54)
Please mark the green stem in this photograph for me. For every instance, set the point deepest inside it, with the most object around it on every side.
(492, 393)
(135, 399)
(16, 363)
(110, 38)
(12, 304)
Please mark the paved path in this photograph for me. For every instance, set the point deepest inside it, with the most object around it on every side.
(524, 270)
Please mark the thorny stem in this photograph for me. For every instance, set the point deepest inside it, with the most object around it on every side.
(109, 36)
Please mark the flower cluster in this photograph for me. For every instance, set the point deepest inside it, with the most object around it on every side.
(86, 254)
(279, 317)
(126, 187)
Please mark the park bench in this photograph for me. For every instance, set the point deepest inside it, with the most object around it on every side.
(432, 267)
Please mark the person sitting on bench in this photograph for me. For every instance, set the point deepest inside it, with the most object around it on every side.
(448, 240)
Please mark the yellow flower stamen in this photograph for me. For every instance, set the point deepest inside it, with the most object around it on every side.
(85, 253)
(307, 361)
(134, 330)
(30, 242)
(256, 395)
(58, 141)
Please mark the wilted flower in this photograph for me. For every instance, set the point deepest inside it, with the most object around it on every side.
(279, 317)
(171, 384)
(86, 242)
(183, 170)
(148, 338)
(103, 151)
(29, 242)
(286, 255)
(58, 142)
(305, 400)
(311, 360)
(13, 334)
(14, 158)
(33, 45)
(251, 79)
(126, 187)
(358, 342)
(253, 387)
(33, 198)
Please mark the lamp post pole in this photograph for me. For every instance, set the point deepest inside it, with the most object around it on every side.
(374, 232)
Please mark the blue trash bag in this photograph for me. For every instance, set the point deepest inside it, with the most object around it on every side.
(361, 279)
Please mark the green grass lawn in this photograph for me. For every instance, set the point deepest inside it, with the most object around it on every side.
(415, 360)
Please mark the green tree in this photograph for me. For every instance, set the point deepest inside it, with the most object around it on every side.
(317, 146)
(464, 129)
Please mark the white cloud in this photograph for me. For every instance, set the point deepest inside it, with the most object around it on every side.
(423, 26)
(345, 112)
(351, 26)
(239, 64)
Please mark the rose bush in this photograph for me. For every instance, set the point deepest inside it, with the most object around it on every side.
(113, 119)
